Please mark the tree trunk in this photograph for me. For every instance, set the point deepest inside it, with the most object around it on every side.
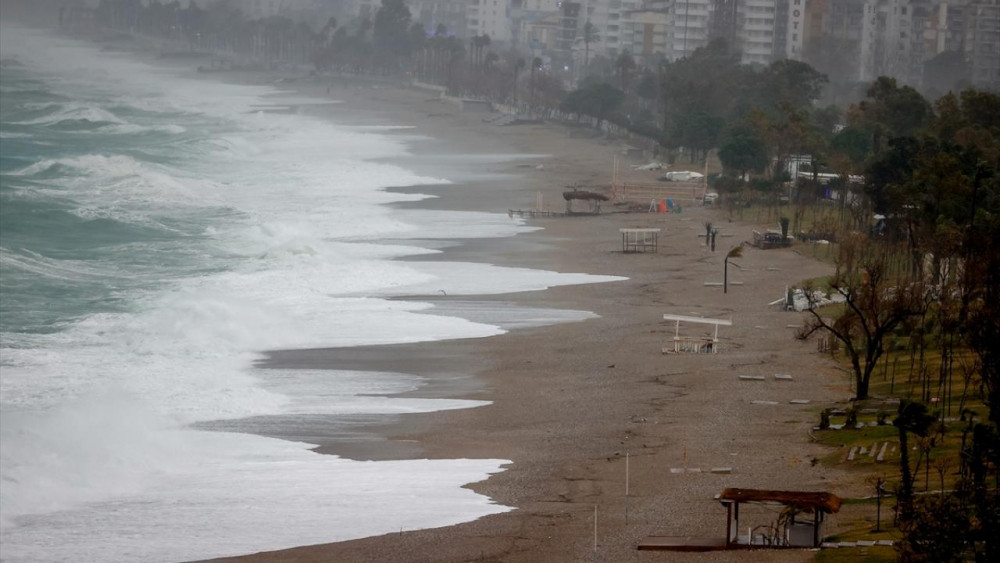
(906, 478)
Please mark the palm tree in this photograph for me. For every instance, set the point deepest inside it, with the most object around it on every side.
(912, 418)
(590, 35)
(736, 252)
(518, 65)
(484, 42)
(474, 43)
(536, 64)
(328, 30)
(624, 65)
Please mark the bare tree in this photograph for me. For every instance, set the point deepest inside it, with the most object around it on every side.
(877, 297)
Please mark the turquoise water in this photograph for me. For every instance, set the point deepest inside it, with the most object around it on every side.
(65, 254)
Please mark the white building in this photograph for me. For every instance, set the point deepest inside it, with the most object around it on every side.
(983, 25)
(489, 17)
(606, 17)
(690, 23)
(795, 32)
(432, 13)
(756, 30)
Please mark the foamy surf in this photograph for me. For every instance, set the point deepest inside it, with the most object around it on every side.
(151, 251)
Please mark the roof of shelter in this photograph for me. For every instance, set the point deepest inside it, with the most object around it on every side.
(702, 320)
(824, 501)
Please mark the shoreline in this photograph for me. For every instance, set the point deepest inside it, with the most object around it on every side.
(568, 401)
(566, 414)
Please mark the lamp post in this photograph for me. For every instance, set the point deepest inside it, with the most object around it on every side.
(736, 252)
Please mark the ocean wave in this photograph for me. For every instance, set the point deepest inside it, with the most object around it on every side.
(133, 128)
(76, 271)
(72, 114)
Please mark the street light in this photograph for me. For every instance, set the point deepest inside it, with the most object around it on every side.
(736, 252)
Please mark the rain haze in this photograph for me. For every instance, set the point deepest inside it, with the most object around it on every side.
(523, 280)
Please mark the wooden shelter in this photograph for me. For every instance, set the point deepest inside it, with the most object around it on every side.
(697, 344)
(593, 198)
(797, 533)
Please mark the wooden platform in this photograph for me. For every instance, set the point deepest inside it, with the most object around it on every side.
(682, 543)
(531, 213)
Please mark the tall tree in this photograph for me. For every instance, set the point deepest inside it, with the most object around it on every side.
(536, 65)
(624, 65)
(597, 100)
(390, 32)
(743, 149)
(891, 111)
(589, 36)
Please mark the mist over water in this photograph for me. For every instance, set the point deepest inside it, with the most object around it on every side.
(157, 232)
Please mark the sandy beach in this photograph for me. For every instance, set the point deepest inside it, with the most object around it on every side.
(570, 402)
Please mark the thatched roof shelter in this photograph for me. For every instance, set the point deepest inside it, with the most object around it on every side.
(584, 196)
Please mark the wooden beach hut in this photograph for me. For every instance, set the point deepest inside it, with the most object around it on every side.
(797, 533)
(793, 532)
(594, 199)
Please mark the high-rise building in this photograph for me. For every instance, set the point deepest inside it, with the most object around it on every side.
(434, 13)
(756, 29)
(690, 22)
(983, 33)
(645, 34)
(795, 29)
(489, 17)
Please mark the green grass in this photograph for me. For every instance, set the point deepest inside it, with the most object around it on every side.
(895, 378)
(879, 554)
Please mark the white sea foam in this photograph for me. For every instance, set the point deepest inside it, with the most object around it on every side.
(280, 217)
(287, 497)
(73, 112)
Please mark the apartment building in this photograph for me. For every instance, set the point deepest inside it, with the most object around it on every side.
(646, 34)
(432, 13)
(535, 25)
(691, 30)
(756, 30)
(983, 44)
(489, 17)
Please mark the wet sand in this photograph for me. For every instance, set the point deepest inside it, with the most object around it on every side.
(570, 401)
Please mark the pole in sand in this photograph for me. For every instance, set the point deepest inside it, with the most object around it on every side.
(595, 533)
(626, 488)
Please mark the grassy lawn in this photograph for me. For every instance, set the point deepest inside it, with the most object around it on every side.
(934, 460)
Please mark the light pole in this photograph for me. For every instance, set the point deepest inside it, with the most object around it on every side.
(736, 252)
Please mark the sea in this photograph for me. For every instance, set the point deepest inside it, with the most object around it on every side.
(159, 232)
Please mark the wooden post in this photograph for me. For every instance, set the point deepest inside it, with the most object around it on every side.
(725, 276)
(736, 522)
(595, 533)
(816, 527)
(626, 488)
(729, 524)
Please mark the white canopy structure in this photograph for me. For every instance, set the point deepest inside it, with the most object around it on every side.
(697, 344)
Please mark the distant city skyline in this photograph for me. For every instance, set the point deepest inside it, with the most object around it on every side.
(850, 40)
